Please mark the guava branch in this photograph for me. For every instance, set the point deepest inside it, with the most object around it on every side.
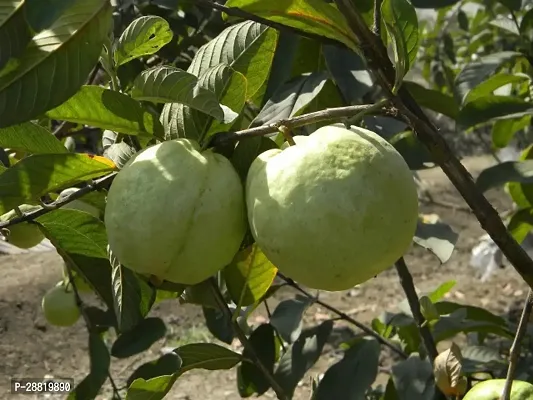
(92, 186)
(515, 347)
(380, 64)
(345, 317)
(280, 393)
(337, 114)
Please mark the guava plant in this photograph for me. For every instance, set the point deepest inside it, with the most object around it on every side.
(210, 153)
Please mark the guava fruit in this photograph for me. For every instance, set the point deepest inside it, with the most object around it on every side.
(79, 204)
(60, 307)
(176, 212)
(492, 389)
(23, 235)
(81, 284)
(335, 209)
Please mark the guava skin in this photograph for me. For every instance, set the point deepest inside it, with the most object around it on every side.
(492, 389)
(334, 210)
(59, 306)
(176, 212)
(24, 235)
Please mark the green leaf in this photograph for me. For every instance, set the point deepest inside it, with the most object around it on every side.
(143, 36)
(250, 379)
(512, 5)
(351, 377)
(439, 238)
(247, 47)
(481, 358)
(55, 63)
(106, 109)
(219, 324)
(457, 322)
(81, 240)
(139, 339)
(287, 318)
(488, 86)
(39, 174)
(490, 107)
(504, 130)
(471, 312)
(301, 356)
(153, 389)
(249, 276)
(433, 99)
(477, 71)
(291, 98)
(412, 150)
(208, 356)
(509, 171)
(402, 24)
(349, 71)
(14, 32)
(167, 364)
(30, 137)
(40, 14)
(90, 386)
(433, 3)
(313, 16)
(505, 23)
(413, 379)
(133, 296)
(229, 87)
(521, 224)
(120, 153)
(173, 85)
(439, 292)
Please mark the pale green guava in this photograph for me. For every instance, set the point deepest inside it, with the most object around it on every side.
(81, 284)
(79, 204)
(176, 212)
(334, 210)
(59, 306)
(23, 235)
(492, 389)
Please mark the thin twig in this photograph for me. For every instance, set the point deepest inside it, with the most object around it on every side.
(345, 317)
(95, 185)
(515, 347)
(408, 285)
(379, 62)
(376, 28)
(83, 312)
(245, 342)
(406, 280)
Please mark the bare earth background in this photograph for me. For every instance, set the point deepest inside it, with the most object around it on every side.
(32, 348)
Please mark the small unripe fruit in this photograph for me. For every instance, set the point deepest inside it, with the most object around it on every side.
(176, 212)
(335, 209)
(23, 235)
(492, 389)
(59, 306)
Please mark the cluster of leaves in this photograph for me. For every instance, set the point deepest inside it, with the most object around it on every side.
(179, 70)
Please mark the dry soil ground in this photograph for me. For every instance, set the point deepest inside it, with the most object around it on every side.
(31, 348)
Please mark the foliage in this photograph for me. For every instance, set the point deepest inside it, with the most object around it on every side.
(84, 86)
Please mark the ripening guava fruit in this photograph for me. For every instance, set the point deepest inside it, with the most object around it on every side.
(59, 306)
(79, 204)
(176, 212)
(492, 389)
(25, 234)
(335, 209)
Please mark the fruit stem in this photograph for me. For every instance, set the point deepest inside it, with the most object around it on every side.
(515, 347)
(286, 132)
(245, 342)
